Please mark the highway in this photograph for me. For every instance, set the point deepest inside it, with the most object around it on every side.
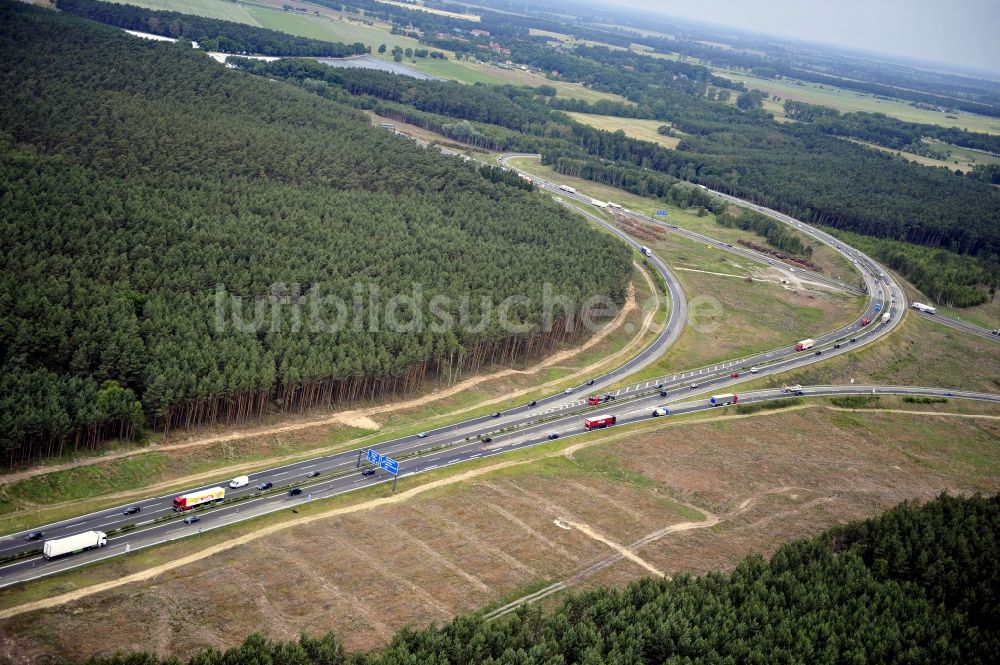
(340, 474)
(521, 426)
(958, 324)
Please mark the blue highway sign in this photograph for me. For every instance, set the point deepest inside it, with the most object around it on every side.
(390, 465)
(662, 212)
(374, 457)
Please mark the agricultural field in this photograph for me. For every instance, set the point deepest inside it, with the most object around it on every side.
(419, 6)
(848, 100)
(662, 498)
(220, 9)
(645, 130)
(959, 158)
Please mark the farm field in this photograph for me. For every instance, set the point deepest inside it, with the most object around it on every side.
(959, 158)
(848, 100)
(688, 497)
(645, 130)
(220, 9)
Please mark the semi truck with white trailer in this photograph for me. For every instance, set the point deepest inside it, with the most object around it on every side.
(723, 400)
(567, 188)
(645, 250)
(886, 317)
(805, 344)
(73, 544)
(598, 203)
(921, 307)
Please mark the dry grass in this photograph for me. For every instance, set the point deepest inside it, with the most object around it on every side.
(455, 549)
(645, 130)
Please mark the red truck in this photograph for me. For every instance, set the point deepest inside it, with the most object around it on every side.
(593, 400)
(865, 322)
(598, 422)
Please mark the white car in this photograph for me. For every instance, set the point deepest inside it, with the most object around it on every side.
(660, 411)
(239, 481)
(568, 391)
(753, 370)
(422, 435)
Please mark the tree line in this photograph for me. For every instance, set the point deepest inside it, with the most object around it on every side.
(211, 34)
(797, 169)
(173, 229)
(917, 584)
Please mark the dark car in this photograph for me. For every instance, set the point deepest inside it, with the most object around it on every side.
(369, 471)
(590, 383)
(131, 510)
(314, 474)
(295, 491)
(487, 440)
(819, 353)
(497, 414)
(533, 402)
(34, 535)
(191, 519)
(693, 386)
(553, 436)
(854, 339)
(608, 398)
(265, 486)
(663, 393)
(836, 346)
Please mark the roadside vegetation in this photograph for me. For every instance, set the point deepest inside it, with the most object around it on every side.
(699, 496)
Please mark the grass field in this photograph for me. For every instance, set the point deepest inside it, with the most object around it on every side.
(959, 158)
(828, 260)
(755, 482)
(919, 353)
(221, 9)
(645, 130)
(732, 317)
(849, 100)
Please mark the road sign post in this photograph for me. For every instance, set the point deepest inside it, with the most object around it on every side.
(384, 462)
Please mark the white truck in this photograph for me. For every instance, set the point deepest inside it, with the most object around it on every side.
(645, 250)
(792, 390)
(598, 203)
(567, 188)
(921, 307)
(886, 317)
(73, 544)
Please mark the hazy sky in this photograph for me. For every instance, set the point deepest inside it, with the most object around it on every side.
(961, 32)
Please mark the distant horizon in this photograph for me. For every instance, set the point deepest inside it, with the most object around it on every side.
(971, 47)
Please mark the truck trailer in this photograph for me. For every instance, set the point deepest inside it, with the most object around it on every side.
(567, 188)
(805, 344)
(886, 317)
(192, 499)
(73, 544)
(723, 400)
(598, 422)
(921, 307)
